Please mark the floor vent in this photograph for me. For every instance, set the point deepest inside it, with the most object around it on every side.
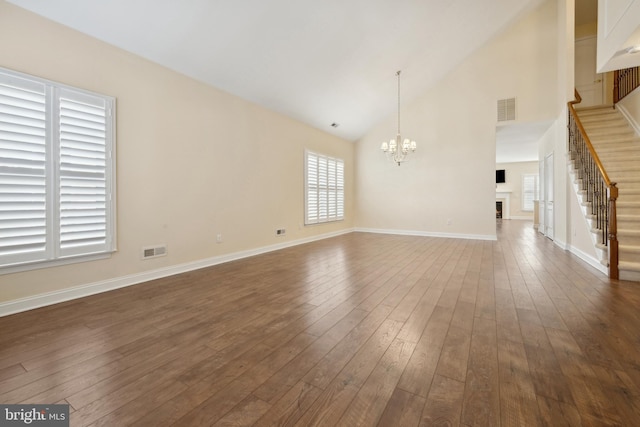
(154, 251)
(506, 109)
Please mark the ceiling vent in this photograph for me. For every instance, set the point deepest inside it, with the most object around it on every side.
(506, 109)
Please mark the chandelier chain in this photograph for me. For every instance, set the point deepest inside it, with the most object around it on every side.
(398, 74)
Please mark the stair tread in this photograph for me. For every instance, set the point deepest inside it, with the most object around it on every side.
(628, 217)
(631, 145)
(629, 265)
(591, 111)
(618, 146)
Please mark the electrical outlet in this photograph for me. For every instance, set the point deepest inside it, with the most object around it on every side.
(218, 238)
(280, 231)
(449, 221)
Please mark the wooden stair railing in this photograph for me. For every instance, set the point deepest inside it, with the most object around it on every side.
(624, 82)
(601, 193)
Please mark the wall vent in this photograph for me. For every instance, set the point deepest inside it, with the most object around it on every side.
(506, 109)
(154, 251)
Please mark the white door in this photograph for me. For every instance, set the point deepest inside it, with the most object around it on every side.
(548, 196)
(542, 195)
(589, 84)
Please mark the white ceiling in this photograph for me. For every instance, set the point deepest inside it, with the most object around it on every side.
(518, 142)
(316, 61)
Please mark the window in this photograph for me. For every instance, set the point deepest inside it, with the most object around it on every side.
(56, 172)
(324, 188)
(529, 191)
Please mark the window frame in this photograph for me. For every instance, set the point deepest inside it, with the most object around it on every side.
(534, 192)
(334, 188)
(57, 249)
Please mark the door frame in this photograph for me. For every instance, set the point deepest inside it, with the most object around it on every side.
(548, 212)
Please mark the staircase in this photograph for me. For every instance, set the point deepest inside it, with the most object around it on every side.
(618, 147)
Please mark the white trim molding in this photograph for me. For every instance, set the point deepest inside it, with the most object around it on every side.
(593, 262)
(428, 234)
(50, 298)
(562, 245)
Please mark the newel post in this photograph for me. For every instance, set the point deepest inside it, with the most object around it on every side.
(613, 233)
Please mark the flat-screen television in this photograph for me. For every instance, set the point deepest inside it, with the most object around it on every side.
(500, 177)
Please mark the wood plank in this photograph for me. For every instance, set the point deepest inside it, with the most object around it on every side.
(96, 405)
(403, 409)
(546, 372)
(357, 329)
(330, 365)
(587, 392)
(290, 407)
(337, 396)
(558, 414)
(11, 371)
(244, 413)
(371, 400)
(455, 354)
(290, 374)
(507, 324)
(444, 403)
(415, 324)
(481, 404)
(418, 373)
(235, 392)
(518, 403)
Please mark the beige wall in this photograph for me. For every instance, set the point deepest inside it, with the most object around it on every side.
(586, 30)
(513, 185)
(448, 186)
(175, 136)
(192, 161)
(630, 106)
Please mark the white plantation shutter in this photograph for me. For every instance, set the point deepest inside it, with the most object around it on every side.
(324, 188)
(56, 171)
(312, 193)
(83, 165)
(339, 189)
(529, 191)
(332, 208)
(23, 159)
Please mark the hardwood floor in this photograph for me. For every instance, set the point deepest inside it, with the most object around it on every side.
(360, 329)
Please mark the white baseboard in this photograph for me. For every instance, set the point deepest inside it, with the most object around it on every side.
(49, 298)
(592, 261)
(561, 244)
(632, 120)
(524, 218)
(428, 234)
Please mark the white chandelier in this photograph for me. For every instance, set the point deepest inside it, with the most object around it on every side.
(397, 149)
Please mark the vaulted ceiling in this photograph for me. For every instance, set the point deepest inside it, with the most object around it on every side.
(320, 62)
